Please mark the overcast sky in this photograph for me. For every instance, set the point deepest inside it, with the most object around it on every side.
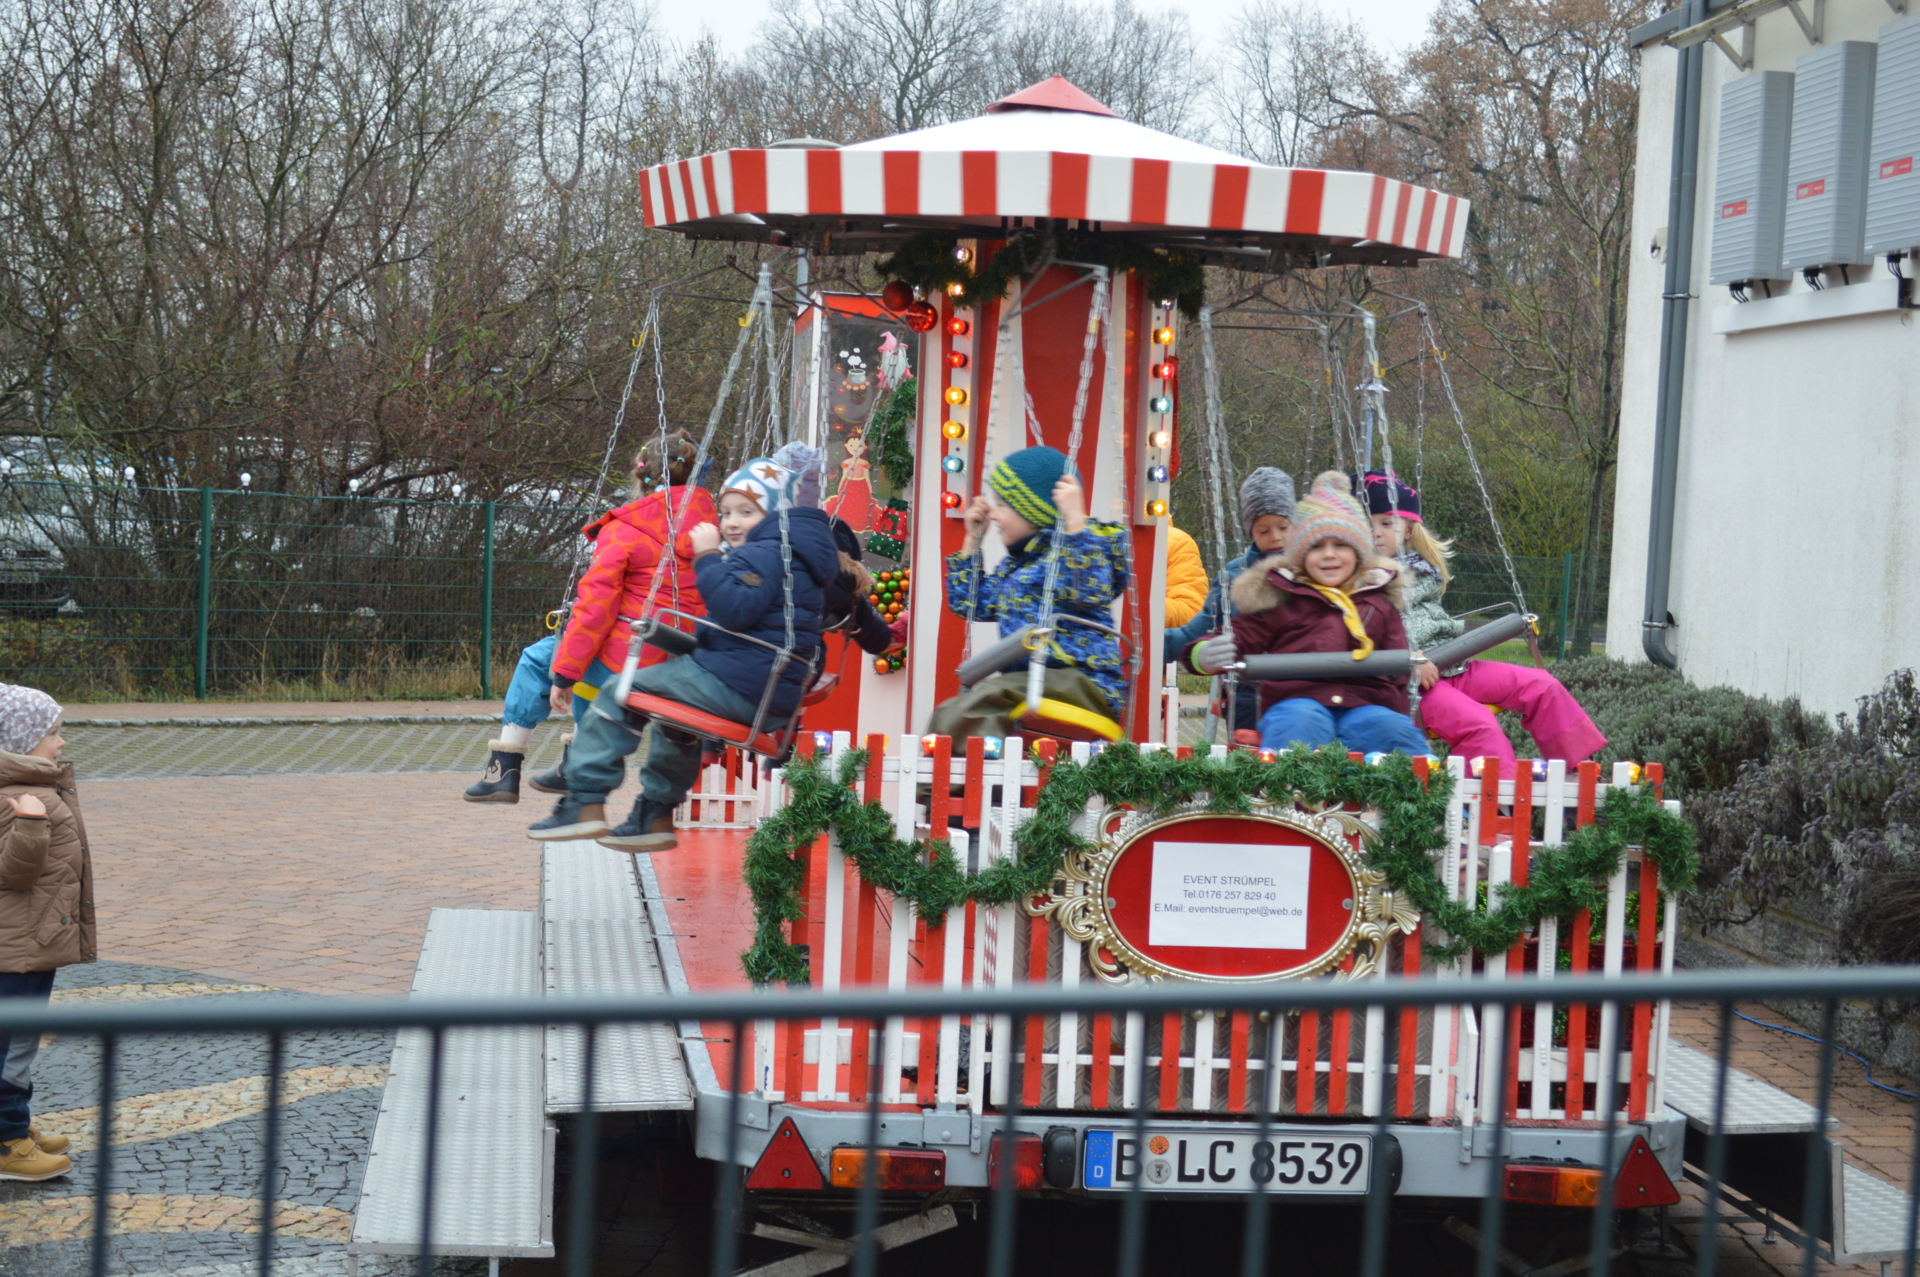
(1394, 24)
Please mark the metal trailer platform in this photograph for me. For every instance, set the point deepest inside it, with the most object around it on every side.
(490, 1196)
(599, 942)
(1770, 1135)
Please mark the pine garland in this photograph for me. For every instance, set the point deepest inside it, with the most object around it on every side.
(1411, 816)
(927, 262)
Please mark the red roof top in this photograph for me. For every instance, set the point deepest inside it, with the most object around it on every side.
(1055, 94)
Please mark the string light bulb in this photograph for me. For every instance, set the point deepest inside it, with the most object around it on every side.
(953, 465)
(956, 289)
(962, 254)
(1164, 336)
(1162, 439)
(956, 395)
(954, 429)
(956, 359)
(1157, 474)
(1167, 369)
(1157, 508)
(1161, 403)
(959, 327)
(950, 500)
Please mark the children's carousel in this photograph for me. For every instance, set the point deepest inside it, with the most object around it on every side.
(1044, 255)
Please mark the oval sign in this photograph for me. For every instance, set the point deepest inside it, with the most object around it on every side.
(1225, 897)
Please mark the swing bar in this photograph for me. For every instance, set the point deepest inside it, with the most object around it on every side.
(1274, 667)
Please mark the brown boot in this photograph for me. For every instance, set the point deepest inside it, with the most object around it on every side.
(571, 820)
(48, 1143)
(23, 1159)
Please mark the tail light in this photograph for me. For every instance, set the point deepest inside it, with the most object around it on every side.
(901, 1170)
(1641, 1182)
(1025, 1161)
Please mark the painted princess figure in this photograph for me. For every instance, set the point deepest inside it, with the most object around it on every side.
(854, 501)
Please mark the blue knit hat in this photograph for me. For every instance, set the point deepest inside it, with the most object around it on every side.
(765, 482)
(1025, 479)
(1389, 494)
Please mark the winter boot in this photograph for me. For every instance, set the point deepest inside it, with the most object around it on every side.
(23, 1159)
(571, 821)
(48, 1143)
(555, 781)
(500, 783)
(648, 828)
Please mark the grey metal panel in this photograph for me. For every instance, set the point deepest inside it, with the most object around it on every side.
(1893, 160)
(599, 942)
(1750, 182)
(1873, 1217)
(1825, 191)
(1753, 1107)
(487, 1201)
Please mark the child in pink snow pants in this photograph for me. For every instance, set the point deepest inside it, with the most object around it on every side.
(1454, 703)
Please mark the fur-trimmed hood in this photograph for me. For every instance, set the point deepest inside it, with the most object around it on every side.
(1260, 586)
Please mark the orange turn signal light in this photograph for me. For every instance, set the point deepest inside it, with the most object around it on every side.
(899, 1170)
(1553, 1185)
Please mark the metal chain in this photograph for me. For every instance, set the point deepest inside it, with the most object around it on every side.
(1094, 313)
(1216, 461)
(1473, 461)
(579, 554)
(1125, 501)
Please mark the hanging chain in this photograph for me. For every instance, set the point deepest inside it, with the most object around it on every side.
(1126, 505)
(1216, 461)
(1473, 461)
(649, 333)
(1094, 314)
(1420, 426)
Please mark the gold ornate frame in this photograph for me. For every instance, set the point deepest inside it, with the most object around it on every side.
(1079, 905)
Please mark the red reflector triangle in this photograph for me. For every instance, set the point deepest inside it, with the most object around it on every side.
(787, 1164)
(1642, 1182)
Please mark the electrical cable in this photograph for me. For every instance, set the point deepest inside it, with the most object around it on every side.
(1864, 1063)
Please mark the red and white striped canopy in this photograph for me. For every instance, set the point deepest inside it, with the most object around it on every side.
(1045, 154)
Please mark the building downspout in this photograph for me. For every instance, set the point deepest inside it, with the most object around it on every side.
(1683, 185)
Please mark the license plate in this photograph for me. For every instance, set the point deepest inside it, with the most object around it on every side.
(1231, 1160)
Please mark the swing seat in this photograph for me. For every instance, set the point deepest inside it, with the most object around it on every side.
(709, 726)
(1065, 721)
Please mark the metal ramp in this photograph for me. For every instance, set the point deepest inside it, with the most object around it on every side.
(489, 1198)
(1770, 1135)
(599, 941)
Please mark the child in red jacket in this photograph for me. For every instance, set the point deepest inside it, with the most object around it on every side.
(1326, 592)
(629, 547)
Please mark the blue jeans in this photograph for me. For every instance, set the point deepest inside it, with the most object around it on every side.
(533, 679)
(597, 762)
(1364, 729)
(16, 1076)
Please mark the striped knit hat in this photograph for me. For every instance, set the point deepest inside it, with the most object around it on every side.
(1025, 479)
(1329, 511)
(766, 483)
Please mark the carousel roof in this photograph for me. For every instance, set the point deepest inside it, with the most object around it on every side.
(1051, 156)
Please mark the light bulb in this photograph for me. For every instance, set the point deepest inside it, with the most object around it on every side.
(958, 327)
(457, 490)
(956, 395)
(962, 254)
(1161, 403)
(953, 465)
(951, 500)
(1157, 474)
(246, 480)
(1164, 336)
(956, 360)
(1162, 438)
(553, 494)
(129, 473)
(954, 429)
(353, 485)
(1157, 508)
(956, 289)
(1167, 369)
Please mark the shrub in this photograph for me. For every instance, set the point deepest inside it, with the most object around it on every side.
(1703, 736)
(1838, 817)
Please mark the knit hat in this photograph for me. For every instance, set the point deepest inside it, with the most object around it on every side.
(766, 483)
(1387, 494)
(1329, 511)
(805, 463)
(663, 461)
(27, 714)
(1025, 479)
(1265, 491)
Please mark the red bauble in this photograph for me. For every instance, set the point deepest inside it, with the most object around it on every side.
(897, 296)
(920, 316)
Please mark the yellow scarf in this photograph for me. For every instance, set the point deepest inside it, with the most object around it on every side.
(1351, 615)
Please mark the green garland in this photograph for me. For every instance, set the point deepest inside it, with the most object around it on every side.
(927, 262)
(891, 434)
(1564, 879)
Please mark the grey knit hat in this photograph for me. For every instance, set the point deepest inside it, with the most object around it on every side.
(26, 716)
(1266, 491)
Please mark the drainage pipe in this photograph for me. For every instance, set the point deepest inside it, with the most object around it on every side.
(1681, 190)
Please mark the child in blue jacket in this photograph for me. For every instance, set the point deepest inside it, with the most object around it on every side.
(1035, 498)
(746, 592)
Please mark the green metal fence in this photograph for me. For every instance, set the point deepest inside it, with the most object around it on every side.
(1553, 588)
(111, 591)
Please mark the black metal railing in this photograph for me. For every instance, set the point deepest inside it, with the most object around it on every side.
(114, 1025)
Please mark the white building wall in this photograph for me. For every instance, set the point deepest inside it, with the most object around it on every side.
(1796, 567)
